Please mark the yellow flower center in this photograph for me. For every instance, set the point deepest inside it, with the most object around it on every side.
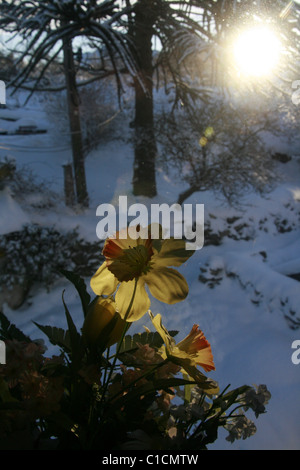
(132, 263)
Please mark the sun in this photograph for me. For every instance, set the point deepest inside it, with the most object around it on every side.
(257, 51)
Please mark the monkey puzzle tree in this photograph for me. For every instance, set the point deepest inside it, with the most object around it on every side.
(187, 29)
(149, 19)
(47, 30)
(126, 30)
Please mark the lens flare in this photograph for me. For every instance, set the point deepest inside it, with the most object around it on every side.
(257, 51)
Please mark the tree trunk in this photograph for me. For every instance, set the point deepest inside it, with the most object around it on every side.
(69, 185)
(75, 127)
(187, 193)
(144, 181)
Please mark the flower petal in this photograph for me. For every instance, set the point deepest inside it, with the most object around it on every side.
(206, 384)
(167, 285)
(141, 301)
(114, 246)
(198, 348)
(172, 253)
(182, 359)
(103, 282)
(163, 332)
(112, 249)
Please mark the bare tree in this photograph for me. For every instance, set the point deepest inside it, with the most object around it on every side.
(220, 146)
(125, 32)
(186, 29)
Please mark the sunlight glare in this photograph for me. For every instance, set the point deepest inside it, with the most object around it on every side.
(257, 51)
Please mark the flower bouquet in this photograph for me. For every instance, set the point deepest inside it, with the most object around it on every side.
(109, 390)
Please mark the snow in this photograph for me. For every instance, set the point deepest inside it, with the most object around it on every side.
(12, 215)
(243, 303)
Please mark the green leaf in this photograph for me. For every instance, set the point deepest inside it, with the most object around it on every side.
(150, 387)
(230, 397)
(187, 389)
(5, 395)
(153, 339)
(206, 384)
(166, 384)
(224, 401)
(10, 331)
(76, 341)
(80, 286)
(173, 252)
(57, 336)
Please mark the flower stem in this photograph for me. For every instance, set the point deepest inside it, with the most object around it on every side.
(145, 374)
(120, 341)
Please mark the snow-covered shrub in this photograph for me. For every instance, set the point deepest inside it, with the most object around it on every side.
(37, 254)
(26, 187)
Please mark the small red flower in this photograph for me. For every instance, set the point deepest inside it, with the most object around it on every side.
(198, 348)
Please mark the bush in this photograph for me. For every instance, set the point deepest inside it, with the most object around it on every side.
(37, 254)
(26, 187)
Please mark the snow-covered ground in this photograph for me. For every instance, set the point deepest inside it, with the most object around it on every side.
(245, 298)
